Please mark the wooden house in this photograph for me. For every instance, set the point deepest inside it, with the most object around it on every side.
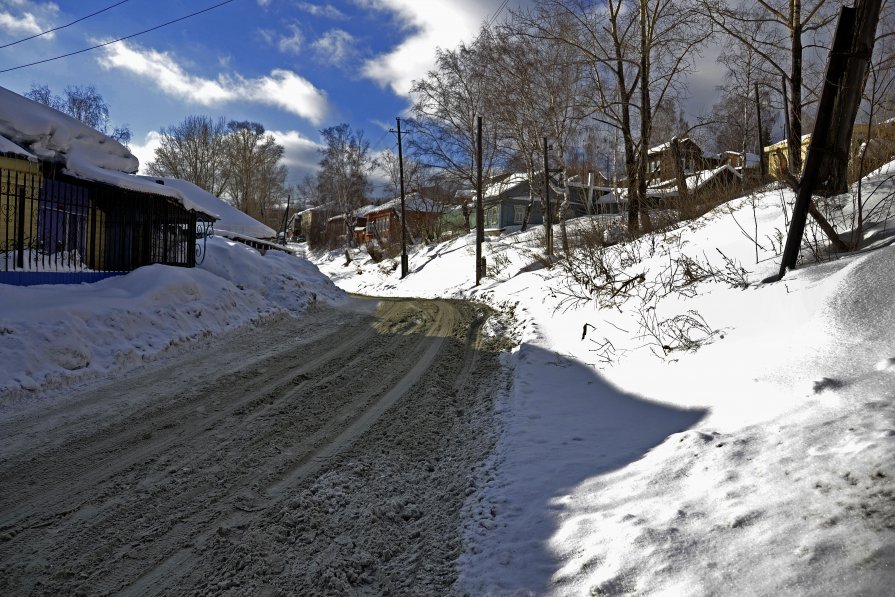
(661, 164)
(506, 198)
(341, 228)
(383, 222)
(777, 157)
(310, 224)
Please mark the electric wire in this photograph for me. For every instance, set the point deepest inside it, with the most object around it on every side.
(93, 14)
(497, 12)
(108, 43)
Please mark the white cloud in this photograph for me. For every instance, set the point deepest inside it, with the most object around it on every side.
(263, 2)
(281, 88)
(291, 44)
(322, 10)
(301, 154)
(24, 24)
(334, 47)
(145, 152)
(433, 24)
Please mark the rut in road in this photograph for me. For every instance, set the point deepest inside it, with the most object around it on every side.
(321, 455)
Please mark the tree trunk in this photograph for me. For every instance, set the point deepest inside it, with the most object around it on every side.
(794, 142)
(850, 87)
(683, 193)
(645, 110)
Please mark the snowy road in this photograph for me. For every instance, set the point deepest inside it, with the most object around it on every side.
(324, 455)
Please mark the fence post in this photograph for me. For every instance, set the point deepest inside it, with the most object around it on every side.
(20, 229)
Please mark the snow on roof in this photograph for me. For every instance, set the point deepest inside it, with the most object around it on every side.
(41, 132)
(229, 218)
(501, 185)
(412, 202)
(51, 135)
(8, 147)
(665, 146)
(695, 182)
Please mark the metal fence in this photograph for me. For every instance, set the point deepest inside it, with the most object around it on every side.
(67, 226)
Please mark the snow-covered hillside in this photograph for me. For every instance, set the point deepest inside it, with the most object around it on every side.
(700, 434)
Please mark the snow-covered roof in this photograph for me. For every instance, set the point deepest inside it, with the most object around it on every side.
(229, 218)
(494, 189)
(51, 135)
(695, 182)
(7, 147)
(36, 131)
(667, 145)
(413, 202)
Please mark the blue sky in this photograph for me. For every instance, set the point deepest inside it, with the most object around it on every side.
(295, 66)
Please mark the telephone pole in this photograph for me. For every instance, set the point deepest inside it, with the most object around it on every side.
(403, 211)
(479, 209)
(548, 219)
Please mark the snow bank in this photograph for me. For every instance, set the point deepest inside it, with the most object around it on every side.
(759, 464)
(54, 335)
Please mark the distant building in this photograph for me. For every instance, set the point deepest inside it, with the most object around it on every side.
(661, 165)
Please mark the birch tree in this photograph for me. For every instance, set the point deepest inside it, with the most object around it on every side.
(446, 103)
(536, 88)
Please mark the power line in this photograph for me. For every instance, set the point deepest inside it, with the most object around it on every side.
(63, 26)
(108, 43)
(497, 12)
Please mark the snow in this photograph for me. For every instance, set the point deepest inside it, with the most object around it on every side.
(36, 131)
(8, 147)
(228, 217)
(52, 135)
(56, 335)
(760, 463)
(412, 202)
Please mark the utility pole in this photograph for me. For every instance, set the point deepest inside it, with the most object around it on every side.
(762, 166)
(827, 159)
(479, 208)
(548, 218)
(403, 211)
(789, 150)
(286, 217)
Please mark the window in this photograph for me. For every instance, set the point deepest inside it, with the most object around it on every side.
(492, 219)
(518, 214)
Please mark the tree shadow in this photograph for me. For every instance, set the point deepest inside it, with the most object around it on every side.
(563, 424)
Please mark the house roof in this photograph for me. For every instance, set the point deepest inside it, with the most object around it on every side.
(666, 146)
(7, 147)
(694, 182)
(44, 133)
(229, 218)
(497, 186)
(412, 202)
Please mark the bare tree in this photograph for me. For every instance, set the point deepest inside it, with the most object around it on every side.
(774, 31)
(636, 54)
(535, 92)
(84, 103)
(735, 115)
(344, 164)
(256, 182)
(194, 150)
(446, 103)
(414, 171)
